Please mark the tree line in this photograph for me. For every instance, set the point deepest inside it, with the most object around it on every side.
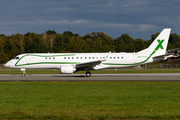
(68, 42)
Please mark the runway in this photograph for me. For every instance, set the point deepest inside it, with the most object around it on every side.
(94, 77)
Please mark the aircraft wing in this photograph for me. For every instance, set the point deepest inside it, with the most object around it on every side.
(90, 64)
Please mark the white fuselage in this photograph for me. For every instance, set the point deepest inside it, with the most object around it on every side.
(55, 60)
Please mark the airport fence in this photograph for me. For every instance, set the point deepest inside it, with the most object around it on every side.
(159, 65)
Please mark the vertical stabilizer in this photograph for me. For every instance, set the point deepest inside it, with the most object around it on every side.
(159, 45)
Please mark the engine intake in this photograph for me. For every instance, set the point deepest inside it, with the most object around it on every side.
(67, 69)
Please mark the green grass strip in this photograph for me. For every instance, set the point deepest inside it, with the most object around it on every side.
(89, 100)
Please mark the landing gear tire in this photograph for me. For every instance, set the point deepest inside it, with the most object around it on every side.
(23, 74)
(88, 74)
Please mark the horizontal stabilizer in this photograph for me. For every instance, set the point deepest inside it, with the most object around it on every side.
(164, 55)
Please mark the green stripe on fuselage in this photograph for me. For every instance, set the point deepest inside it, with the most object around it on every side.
(46, 62)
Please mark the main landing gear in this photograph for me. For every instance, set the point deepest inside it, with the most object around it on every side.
(88, 74)
(24, 73)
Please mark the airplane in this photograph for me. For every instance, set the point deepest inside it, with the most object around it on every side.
(69, 63)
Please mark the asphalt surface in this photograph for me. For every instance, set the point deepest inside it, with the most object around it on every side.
(94, 77)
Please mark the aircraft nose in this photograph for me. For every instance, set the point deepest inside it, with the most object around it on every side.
(7, 64)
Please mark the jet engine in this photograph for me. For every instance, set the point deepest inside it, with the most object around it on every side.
(67, 69)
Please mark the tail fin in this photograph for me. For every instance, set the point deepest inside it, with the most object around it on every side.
(159, 45)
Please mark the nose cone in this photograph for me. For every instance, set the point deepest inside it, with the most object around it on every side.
(7, 64)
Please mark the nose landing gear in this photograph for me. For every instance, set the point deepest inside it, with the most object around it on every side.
(24, 73)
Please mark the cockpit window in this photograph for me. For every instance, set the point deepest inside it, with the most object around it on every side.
(16, 58)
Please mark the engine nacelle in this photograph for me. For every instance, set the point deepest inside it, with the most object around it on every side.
(66, 69)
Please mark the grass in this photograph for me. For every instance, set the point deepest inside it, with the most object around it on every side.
(89, 100)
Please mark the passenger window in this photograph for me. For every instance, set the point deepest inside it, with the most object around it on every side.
(17, 57)
(121, 57)
(92, 57)
(45, 57)
(89, 57)
(81, 57)
(96, 57)
(72, 57)
(49, 57)
(76, 57)
(64, 57)
(110, 57)
(118, 57)
(114, 57)
(53, 57)
(85, 57)
(68, 57)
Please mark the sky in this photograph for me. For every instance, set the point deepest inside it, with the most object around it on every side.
(138, 18)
